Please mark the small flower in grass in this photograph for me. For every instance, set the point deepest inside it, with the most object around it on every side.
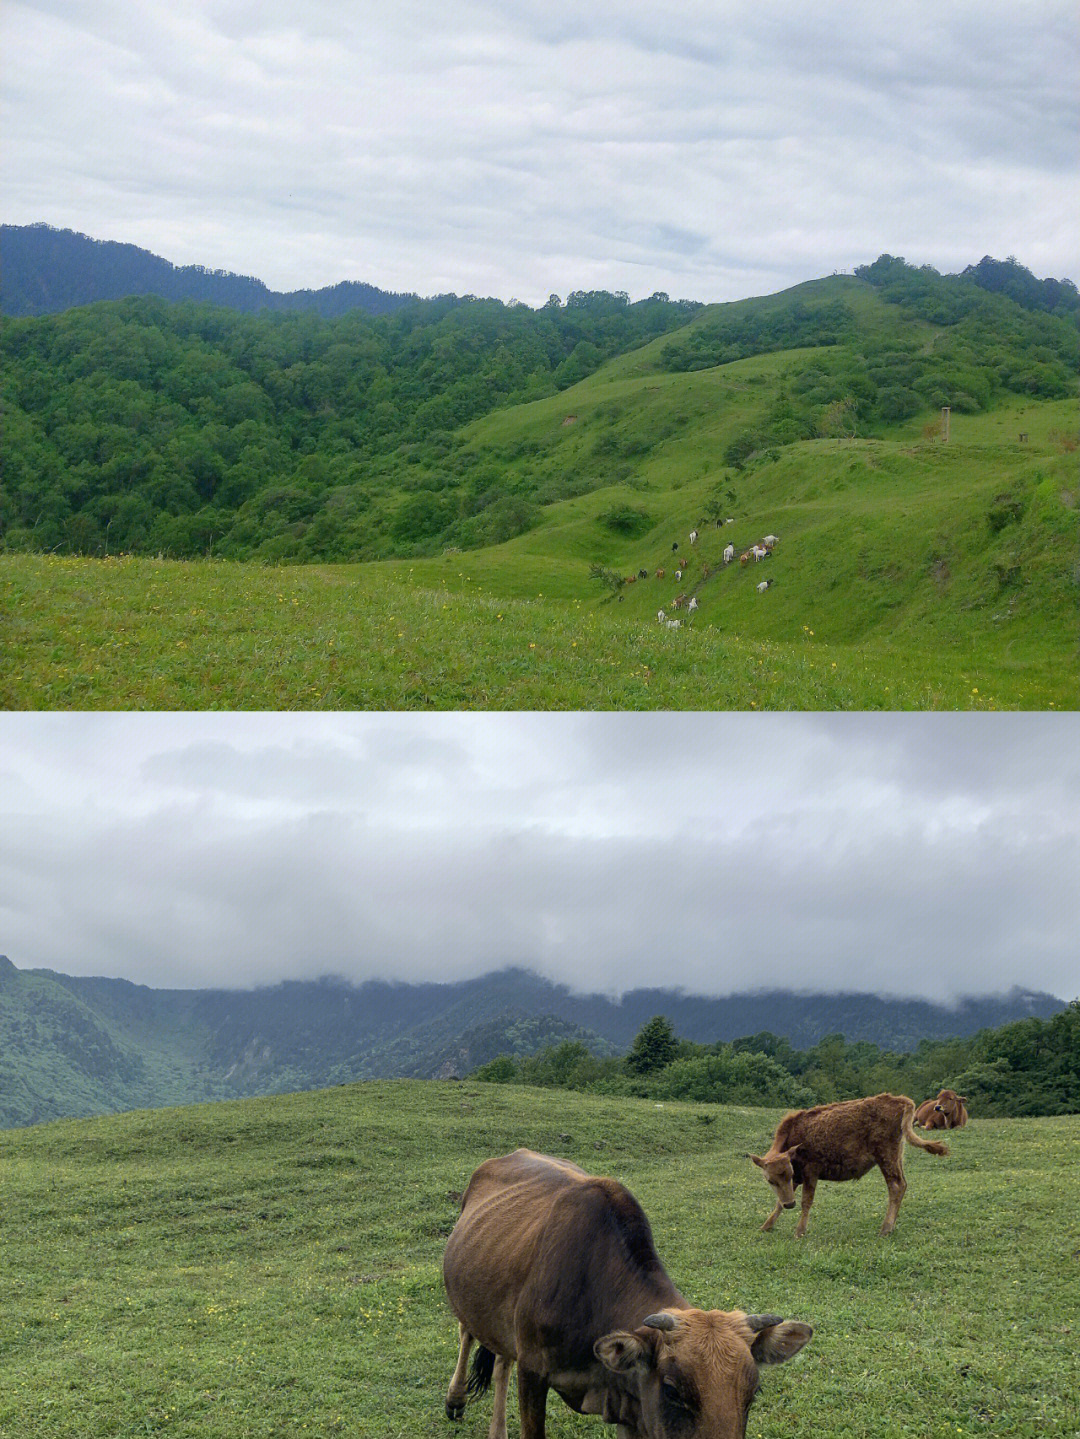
(532, 646)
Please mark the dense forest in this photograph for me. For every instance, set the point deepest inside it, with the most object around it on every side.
(1029, 1067)
(146, 427)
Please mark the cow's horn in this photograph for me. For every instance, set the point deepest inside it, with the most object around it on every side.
(757, 1322)
(660, 1321)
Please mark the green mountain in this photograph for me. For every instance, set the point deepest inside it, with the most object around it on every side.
(71, 1045)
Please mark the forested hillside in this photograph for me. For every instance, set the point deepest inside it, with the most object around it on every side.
(78, 1045)
(184, 430)
(46, 270)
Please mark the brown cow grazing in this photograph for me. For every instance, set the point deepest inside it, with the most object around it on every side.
(555, 1270)
(947, 1111)
(841, 1141)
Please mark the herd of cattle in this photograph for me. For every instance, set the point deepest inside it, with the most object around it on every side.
(555, 1270)
(756, 552)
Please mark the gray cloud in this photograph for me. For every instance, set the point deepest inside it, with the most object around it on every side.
(917, 855)
(707, 150)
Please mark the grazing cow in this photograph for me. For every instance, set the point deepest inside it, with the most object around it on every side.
(678, 574)
(660, 617)
(729, 554)
(730, 521)
(692, 605)
(841, 1141)
(556, 1270)
(744, 558)
(761, 588)
(770, 540)
(678, 602)
(947, 1111)
(630, 580)
(643, 574)
(674, 547)
(673, 624)
(759, 552)
(659, 574)
(693, 537)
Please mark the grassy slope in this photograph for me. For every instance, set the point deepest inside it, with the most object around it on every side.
(891, 588)
(271, 1266)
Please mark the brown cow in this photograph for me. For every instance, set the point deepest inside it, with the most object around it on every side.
(947, 1111)
(841, 1141)
(556, 1270)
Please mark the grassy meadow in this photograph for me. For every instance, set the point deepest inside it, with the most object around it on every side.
(910, 574)
(272, 1266)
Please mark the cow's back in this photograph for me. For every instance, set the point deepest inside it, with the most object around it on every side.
(843, 1140)
(504, 1214)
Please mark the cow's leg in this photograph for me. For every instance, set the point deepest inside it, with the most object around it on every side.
(455, 1395)
(773, 1217)
(808, 1187)
(502, 1380)
(893, 1171)
(532, 1399)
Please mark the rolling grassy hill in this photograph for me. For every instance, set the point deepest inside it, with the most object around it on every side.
(272, 1266)
(911, 572)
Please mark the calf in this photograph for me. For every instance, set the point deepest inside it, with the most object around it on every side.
(947, 1111)
(555, 1270)
(729, 554)
(841, 1141)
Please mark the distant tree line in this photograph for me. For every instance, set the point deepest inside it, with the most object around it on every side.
(1030, 1067)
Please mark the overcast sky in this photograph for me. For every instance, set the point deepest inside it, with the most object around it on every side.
(928, 855)
(708, 148)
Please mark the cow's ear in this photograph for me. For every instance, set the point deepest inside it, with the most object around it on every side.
(793, 1150)
(757, 1159)
(623, 1352)
(773, 1343)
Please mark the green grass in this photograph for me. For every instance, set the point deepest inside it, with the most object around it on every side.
(272, 1266)
(898, 584)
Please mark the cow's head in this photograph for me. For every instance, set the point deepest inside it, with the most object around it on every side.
(692, 1373)
(780, 1172)
(951, 1105)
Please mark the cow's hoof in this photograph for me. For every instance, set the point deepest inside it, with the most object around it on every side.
(454, 1411)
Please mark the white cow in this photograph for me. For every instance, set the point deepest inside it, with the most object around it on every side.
(729, 554)
(693, 603)
(673, 624)
(759, 552)
(764, 586)
(660, 617)
(693, 537)
(771, 540)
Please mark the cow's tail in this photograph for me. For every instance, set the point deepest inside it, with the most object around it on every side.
(933, 1145)
(483, 1366)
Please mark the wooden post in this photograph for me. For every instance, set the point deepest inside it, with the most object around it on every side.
(945, 424)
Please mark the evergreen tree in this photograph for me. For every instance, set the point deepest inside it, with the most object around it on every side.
(653, 1048)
